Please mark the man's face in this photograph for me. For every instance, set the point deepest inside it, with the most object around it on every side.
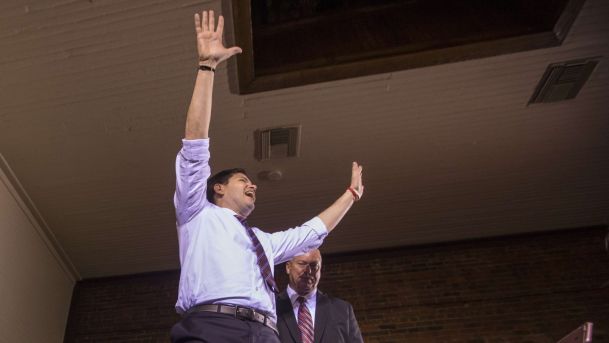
(304, 272)
(239, 194)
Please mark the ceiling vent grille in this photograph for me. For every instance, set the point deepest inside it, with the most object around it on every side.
(563, 81)
(277, 142)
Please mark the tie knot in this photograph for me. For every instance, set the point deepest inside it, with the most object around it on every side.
(242, 220)
(302, 300)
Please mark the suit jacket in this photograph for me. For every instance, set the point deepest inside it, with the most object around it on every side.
(334, 321)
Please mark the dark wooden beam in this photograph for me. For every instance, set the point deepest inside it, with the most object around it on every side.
(290, 46)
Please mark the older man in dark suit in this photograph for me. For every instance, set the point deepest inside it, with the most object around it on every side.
(305, 314)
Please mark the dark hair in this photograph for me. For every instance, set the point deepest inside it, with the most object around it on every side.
(221, 178)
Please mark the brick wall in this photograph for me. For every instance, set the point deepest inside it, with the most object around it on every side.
(531, 288)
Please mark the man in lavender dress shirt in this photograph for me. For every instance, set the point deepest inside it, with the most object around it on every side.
(226, 294)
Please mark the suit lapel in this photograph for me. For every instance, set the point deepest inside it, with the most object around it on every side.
(285, 312)
(322, 315)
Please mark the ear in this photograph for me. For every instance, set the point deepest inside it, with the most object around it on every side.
(287, 267)
(219, 188)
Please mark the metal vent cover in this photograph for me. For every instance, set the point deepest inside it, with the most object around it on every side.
(278, 142)
(562, 81)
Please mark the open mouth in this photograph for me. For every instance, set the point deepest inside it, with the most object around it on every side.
(251, 194)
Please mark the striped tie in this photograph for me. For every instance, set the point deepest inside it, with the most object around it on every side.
(263, 262)
(305, 322)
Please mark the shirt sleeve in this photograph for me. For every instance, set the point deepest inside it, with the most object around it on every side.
(192, 172)
(297, 241)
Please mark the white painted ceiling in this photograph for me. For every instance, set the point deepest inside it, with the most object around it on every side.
(93, 96)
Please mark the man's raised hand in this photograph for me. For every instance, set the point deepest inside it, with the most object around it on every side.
(356, 180)
(209, 40)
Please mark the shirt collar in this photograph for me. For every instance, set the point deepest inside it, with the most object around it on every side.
(228, 210)
(311, 297)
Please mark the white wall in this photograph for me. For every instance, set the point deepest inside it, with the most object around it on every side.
(35, 285)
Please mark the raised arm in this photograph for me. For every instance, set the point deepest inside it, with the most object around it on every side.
(332, 215)
(211, 52)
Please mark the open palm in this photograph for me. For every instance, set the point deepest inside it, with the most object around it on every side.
(356, 179)
(209, 40)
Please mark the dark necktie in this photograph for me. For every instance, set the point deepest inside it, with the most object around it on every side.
(263, 262)
(305, 322)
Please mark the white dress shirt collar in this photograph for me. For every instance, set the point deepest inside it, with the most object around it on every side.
(311, 302)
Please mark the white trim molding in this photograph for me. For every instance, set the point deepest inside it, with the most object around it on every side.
(31, 212)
